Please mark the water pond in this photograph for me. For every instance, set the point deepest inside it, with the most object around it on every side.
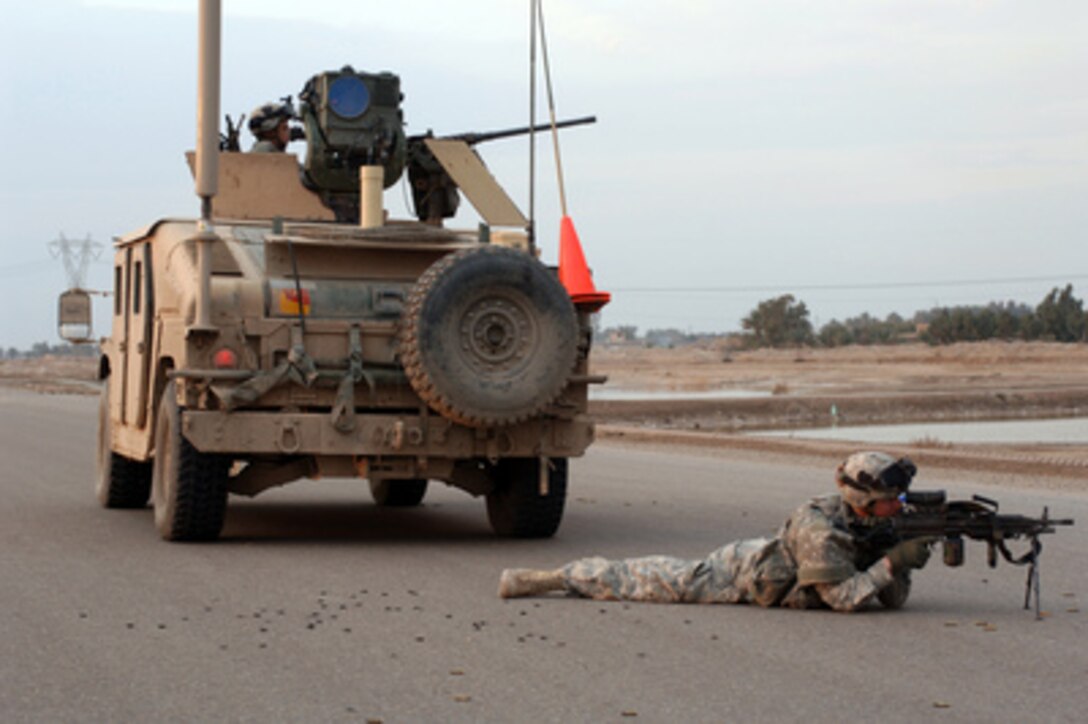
(1072, 431)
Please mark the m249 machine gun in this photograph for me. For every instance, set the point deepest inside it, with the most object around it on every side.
(929, 514)
(434, 191)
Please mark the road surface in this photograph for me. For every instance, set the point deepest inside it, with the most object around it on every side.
(317, 606)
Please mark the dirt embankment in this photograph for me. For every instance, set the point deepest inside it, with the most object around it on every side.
(797, 411)
(851, 386)
(51, 374)
(914, 367)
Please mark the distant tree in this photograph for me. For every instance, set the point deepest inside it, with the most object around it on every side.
(939, 327)
(779, 322)
(864, 329)
(948, 325)
(870, 330)
(1061, 315)
(835, 334)
(984, 324)
(964, 328)
(1012, 319)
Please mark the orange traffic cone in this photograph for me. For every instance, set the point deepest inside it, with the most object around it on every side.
(574, 273)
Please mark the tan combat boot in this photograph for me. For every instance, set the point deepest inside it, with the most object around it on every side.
(518, 582)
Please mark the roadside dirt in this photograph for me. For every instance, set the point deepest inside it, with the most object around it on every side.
(51, 375)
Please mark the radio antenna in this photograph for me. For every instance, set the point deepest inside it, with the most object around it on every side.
(574, 273)
(551, 107)
(531, 230)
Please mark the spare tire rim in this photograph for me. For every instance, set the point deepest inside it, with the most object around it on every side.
(497, 333)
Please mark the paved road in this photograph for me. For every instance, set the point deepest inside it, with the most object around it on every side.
(318, 607)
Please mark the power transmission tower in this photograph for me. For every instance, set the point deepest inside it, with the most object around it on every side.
(76, 256)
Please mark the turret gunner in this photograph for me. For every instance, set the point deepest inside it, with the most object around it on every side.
(269, 125)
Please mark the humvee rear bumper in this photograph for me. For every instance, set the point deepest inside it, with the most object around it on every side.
(381, 434)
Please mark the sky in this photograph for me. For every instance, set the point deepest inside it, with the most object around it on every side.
(864, 155)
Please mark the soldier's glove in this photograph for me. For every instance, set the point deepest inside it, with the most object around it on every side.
(913, 553)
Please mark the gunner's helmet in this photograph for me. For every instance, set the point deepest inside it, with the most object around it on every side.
(868, 476)
(266, 117)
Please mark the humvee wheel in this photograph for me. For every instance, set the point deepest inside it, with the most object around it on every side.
(489, 336)
(516, 508)
(120, 482)
(398, 493)
(189, 488)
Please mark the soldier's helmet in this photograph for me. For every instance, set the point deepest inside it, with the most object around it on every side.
(868, 476)
(265, 118)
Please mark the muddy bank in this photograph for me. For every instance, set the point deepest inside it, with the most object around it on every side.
(790, 411)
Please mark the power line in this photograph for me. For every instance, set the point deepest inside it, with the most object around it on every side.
(77, 256)
(838, 287)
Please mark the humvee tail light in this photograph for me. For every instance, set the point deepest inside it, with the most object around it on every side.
(225, 359)
(289, 301)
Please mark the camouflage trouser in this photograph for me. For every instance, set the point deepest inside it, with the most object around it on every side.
(722, 577)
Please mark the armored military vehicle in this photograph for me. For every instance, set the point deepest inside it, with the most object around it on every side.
(293, 331)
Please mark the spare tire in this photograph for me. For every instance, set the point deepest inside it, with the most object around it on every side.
(489, 336)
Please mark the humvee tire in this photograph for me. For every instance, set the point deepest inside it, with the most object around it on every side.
(188, 487)
(516, 509)
(489, 337)
(398, 493)
(120, 481)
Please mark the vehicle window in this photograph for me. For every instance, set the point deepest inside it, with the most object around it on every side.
(117, 297)
(137, 284)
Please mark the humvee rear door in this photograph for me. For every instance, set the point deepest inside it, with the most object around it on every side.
(139, 313)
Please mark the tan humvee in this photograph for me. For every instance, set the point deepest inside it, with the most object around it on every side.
(272, 340)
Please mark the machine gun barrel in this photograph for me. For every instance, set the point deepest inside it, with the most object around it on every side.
(929, 514)
(974, 525)
(473, 138)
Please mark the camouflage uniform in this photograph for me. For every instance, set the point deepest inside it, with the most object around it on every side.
(265, 146)
(813, 561)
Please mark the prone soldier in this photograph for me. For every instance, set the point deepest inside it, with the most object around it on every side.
(815, 560)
